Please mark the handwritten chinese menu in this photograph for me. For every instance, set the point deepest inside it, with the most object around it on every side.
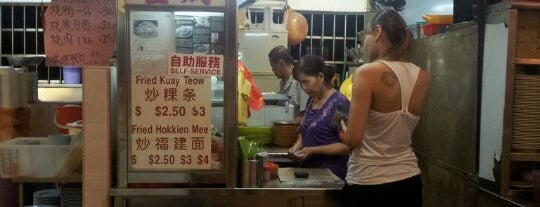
(171, 114)
(180, 2)
(80, 32)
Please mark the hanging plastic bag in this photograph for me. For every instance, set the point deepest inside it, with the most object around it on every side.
(255, 100)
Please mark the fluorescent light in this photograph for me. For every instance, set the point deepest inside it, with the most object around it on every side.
(444, 8)
(257, 34)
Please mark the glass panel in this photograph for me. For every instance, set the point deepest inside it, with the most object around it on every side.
(257, 16)
(176, 117)
(277, 16)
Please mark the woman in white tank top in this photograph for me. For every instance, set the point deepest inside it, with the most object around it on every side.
(388, 97)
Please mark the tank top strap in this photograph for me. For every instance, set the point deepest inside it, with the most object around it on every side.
(407, 74)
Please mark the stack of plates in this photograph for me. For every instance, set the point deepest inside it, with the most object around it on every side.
(526, 117)
(71, 197)
(261, 135)
(47, 197)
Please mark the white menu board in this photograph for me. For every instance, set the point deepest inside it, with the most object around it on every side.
(170, 122)
(171, 111)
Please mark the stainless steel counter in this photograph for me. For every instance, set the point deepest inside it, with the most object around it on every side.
(210, 197)
(278, 154)
(294, 192)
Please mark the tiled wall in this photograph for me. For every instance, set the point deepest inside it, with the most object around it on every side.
(97, 152)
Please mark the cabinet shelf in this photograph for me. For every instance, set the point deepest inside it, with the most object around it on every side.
(70, 179)
(527, 61)
(519, 156)
(519, 193)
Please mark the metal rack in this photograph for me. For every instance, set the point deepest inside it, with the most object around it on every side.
(335, 30)
(22, 24)
(520, 18)
(330, 35)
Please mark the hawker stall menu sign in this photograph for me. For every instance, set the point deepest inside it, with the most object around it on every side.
(151, 41)
(171, 114)
(196, 65)
(80, 32)
(179, 2)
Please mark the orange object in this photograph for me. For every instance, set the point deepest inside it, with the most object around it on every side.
(66, 114)
(297, 27)
(432, 29)
(438, 19)
(270, 170)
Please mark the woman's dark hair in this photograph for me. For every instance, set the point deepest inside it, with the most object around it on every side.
(396, 31)
(280, 53)
(312, 65)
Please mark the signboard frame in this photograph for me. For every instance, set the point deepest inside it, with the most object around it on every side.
(225, 176)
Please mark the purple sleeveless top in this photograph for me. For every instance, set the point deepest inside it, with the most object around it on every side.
(317, 129)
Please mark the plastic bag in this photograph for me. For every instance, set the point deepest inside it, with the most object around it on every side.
(255, 100)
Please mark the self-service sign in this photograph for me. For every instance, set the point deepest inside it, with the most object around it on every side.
(171, 115)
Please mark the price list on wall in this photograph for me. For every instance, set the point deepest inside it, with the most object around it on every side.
(171, 114)
(80, 32)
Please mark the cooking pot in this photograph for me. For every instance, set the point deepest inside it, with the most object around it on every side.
(66, 114)
(285, 133)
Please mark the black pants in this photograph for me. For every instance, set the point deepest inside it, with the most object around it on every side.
(407, 193)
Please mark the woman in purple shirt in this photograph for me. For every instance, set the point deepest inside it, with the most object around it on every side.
(318, 134)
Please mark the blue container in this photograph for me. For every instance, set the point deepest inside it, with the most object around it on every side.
(72, 74)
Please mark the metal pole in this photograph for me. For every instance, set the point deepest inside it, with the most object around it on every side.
(311, 34)
(24, 29)
(12, 30)
(334, 40)
(322, 37)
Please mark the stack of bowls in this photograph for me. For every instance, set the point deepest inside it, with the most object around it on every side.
(71, 196)
(50, 197)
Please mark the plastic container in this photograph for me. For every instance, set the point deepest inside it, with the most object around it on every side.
(270, 170)
(55, 139)
(71, 74)
(31, 157)
(438, 19)
(66, 114)
(432, 29)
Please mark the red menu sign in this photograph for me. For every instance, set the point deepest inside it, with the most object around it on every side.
(80, 32)
(171, 117)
